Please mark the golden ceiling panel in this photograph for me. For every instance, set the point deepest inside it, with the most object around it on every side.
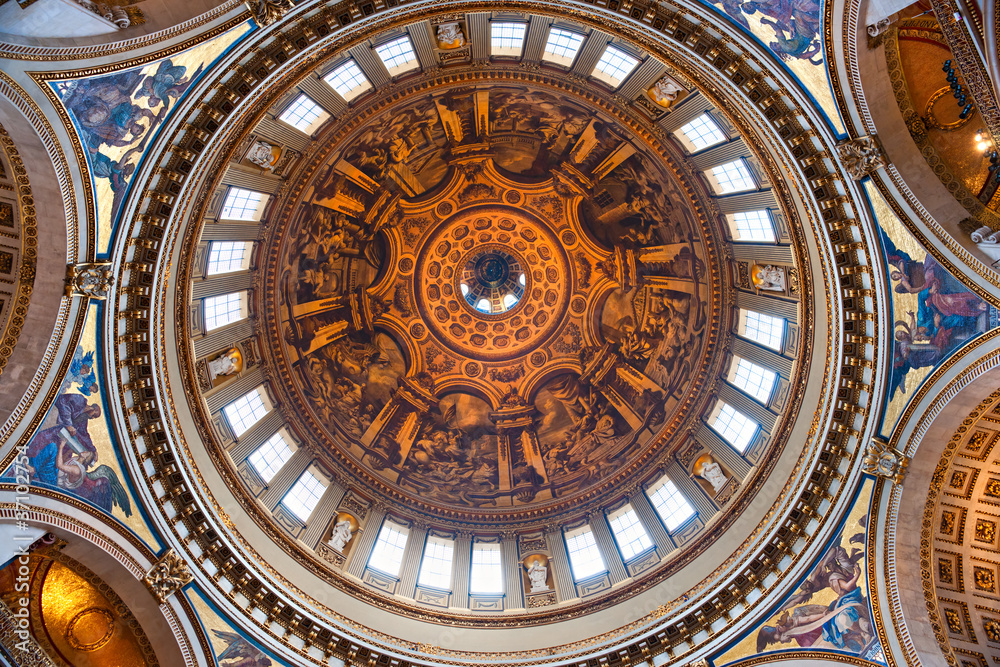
(75, 617)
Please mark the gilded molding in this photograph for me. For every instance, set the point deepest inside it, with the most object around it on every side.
(28, 237)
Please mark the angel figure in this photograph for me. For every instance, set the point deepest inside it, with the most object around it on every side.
(81, 372)
(239, 652)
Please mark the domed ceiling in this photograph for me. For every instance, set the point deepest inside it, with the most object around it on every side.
(492, 298)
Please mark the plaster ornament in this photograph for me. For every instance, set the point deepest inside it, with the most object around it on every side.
(665, 91)
(768, 278)
(449, 36)
(883, 461)
(167, 576)
(876, 31)
(266, 12)
(229, 362)
(341, 535)
(861, 156)
(263, 154)
(89, 280)
(537, 575)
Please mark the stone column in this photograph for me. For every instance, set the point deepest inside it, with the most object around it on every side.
(513, 586)
(258, 434)
(411, 561)
(692, 491)
(608, 548)
(461, 568)
(562, 573)
(650, 520)
(325, 510)
(229, 392)
(285, 477)
(365, 541)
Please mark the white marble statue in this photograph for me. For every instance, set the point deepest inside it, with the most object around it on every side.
(769, 278)
(222, 365)
(449, 36)
(713, 474)
(665, 91)
(261, 154)
(537, 575)
(341, 535)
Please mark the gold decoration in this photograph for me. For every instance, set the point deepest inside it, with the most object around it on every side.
(985, 579)
(266, 12)
(89, 280)
(84, 618)
(167, 576)
(883, 461)
(861, 156)
(986, 531)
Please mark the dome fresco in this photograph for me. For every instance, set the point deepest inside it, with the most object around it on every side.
(592, 362)
(404, 333)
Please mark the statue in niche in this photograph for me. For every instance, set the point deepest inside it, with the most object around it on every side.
(768, 278)
(341, 534)
(665, 91)
(449, 36)
(262, 154)
(229, 362)
(537, 575)
(712, 473)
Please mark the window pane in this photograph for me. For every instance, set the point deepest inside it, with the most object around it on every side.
(762, 328)
(245, 411)
(241, 204)
(487, 570)
(629, 533)
(387, 555)
(753, 226)
(223, 310)
(269, 457)
(733, 177)
(615, 64)
(435, 570)
(348, 80)
(584, 556)
(753, 379)
(670, 504)
(703, 132)
(506, 39)
(302, 113)
(562, 46)
(734, 426)
(227, 256)
(397, 55)
(304, 496)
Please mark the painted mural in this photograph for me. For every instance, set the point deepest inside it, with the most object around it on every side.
(73, 450)
(414, 381)
(934, 314)
(117, 115)
(829, 610)
(230, 647)
(793, 31)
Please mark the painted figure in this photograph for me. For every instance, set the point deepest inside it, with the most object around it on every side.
(239, 652)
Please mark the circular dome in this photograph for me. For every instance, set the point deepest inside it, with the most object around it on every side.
(492, 281)
(483, 322)
(362, 417)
